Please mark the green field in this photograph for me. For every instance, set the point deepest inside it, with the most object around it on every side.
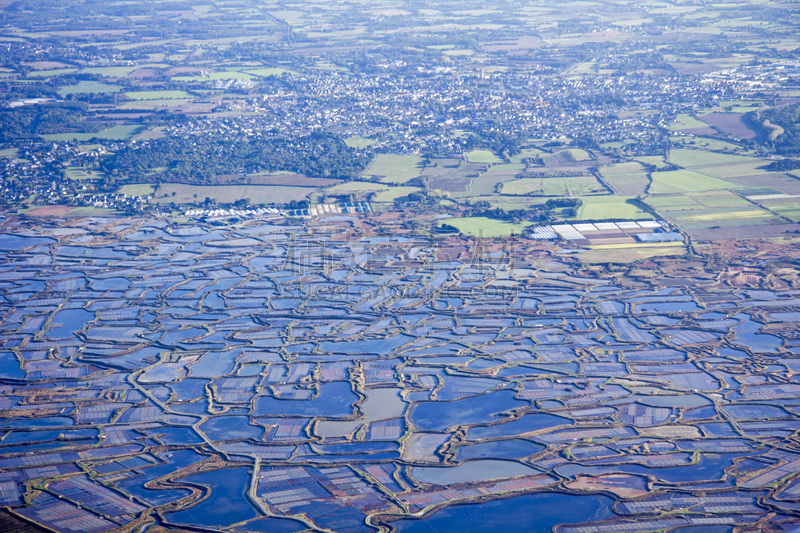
(610, 208)
(486, 227)
(790, 211)
(157, 95)
(393, 194)
(526, 153)
(673, 181)
(655, 160)
(357, 186)
(139, 105)
(687, 122)
(487, 182)
(139, 189)
(482, 156)
(88, 87)
(215, 76)
(687, 158)
(264, 72)
(50, 72)
(119, 72)
(705, 143)
(115, 133)
(673, 202)
(357, 141)
(80, 174)
(720, 198)
(395, 168)
(567, 186)
(256, 194)
(508, 203)
(627, 179)
(566, 157)
(723, 217)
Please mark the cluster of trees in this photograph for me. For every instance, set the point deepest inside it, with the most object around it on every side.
(321, 155)
(499, 142)
(783, 165)
(780, 128)
(541, 213)
(30, 121)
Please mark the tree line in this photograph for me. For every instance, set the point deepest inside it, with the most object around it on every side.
(191, 160)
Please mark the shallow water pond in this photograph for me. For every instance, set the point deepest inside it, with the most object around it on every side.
(227, 504)
(710, 468)
(380, 405)
(10, 367)
(503, 449)
(438, 416)
(231, 427)
(471, 471)
(15, 243)
(755, 412)
(525, 424)
(67, 322)
(335, 399)
(532, 513)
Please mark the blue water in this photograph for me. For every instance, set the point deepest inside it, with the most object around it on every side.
(438, 416)
(17, 437)
(335, 399)
(758, 342)
(111, 284)
(528, 423)
(503, 449)
(227, 504)
(371, 346)
(271, 525)
(231, 427)
(68, 321)
(50, 421)
(755, 412)
(176, 435)
(174, 462)
(9, 366)
(710, 468)
(532, 513)
(214, 364)
(15, 243)
(189, 389)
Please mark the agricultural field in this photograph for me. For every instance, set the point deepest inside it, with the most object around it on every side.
(677, 181)
(357, 141)
(566, 186)
(482, 156)
(611, 208)
(393, 193)
(627, 179)
(486, 227)
(115, 133)
(139, 189)
(394, 168)
(157, 95)
(80, 174)
(686, 122)
(489, 182)
(567, 158)
(225, 194)
(88, 87)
